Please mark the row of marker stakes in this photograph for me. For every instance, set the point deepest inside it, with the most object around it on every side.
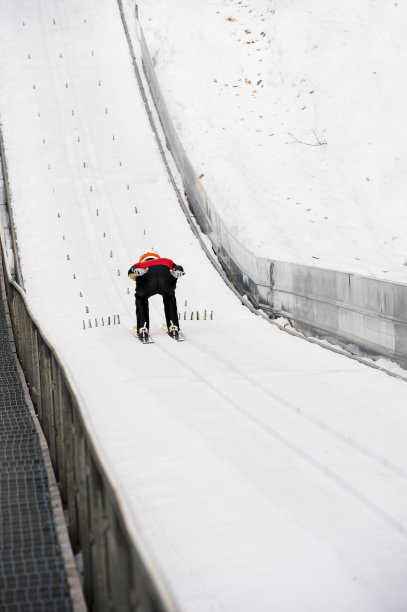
(115, 320)
(196, 315)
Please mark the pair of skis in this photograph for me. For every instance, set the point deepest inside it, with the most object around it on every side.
(148, 339)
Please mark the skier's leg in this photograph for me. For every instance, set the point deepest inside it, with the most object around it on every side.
(142, 312)
(170, 309)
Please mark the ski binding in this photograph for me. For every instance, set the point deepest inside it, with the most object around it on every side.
(144, 337)
(173, 333)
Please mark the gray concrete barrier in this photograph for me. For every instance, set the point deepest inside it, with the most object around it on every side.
(366, 316)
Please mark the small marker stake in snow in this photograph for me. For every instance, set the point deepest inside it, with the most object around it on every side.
(186, 303)
(108, 320)
(192, 315)
(91, 188)
(97, 212)
(87, 309)
(118, 319)
(118, 272)
(67, 256)
(84, 164)
(111, 253)
(29, 56)
(128, 186)
(73, 112)
(135, 209)
(106, 111)
(60, 55)
(197, 315)
(104, 234)
(38, 115)
(49, 166)
(185, 315)
(211, 315)
(59, 216)
(100, 83)
(66, 85)
(205, 315)
(43, 141)
(80, 294)
(83, 323)
(96, 322)
(90, 323)
(74, 276)
(128, 291)
(79, 138)
(93, 53)
(113, 138)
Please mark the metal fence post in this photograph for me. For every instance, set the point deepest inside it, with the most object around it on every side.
(46, 385)
(59, 409)
(71, 484)
(118, 562)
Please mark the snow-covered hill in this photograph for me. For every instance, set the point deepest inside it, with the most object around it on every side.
(261, 472)
(293, 113)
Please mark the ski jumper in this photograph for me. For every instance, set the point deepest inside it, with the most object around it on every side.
(157, 280)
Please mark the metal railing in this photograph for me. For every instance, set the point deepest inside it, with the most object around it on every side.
(118, 572)
(362, 314)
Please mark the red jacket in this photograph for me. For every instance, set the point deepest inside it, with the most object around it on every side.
(155, 262)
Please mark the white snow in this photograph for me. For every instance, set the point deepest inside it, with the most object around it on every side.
(294, 115)
(262, 472)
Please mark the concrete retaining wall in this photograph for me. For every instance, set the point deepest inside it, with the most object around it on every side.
(362, 314)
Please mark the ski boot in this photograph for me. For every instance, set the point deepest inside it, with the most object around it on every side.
(143, 334)
(173, 331)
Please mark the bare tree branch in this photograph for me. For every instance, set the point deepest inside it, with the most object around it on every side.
(318, 143)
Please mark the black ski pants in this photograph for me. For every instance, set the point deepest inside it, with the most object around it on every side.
(158, 280)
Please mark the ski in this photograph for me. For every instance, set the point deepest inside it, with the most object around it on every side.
(144, 339)
(178, 338)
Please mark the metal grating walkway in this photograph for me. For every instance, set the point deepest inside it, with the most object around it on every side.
(32, 572)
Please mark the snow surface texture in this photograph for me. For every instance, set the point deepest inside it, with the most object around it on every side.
(293, 113)
(263, 473)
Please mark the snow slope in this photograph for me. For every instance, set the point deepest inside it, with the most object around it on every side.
(294, 115)
(262, 472)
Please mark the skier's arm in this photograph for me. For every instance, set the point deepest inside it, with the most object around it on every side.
(177, 271)
(134, 272)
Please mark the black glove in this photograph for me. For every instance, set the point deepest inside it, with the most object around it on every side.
(177, 271)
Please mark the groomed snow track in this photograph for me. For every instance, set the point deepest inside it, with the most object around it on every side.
(258, 471)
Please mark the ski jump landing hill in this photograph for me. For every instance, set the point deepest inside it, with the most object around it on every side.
(244, 469)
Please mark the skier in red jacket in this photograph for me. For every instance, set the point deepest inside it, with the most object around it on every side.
(155, 275)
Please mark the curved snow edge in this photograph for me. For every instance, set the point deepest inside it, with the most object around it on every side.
(364, 315)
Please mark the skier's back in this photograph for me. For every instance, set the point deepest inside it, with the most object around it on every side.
(155, 275)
